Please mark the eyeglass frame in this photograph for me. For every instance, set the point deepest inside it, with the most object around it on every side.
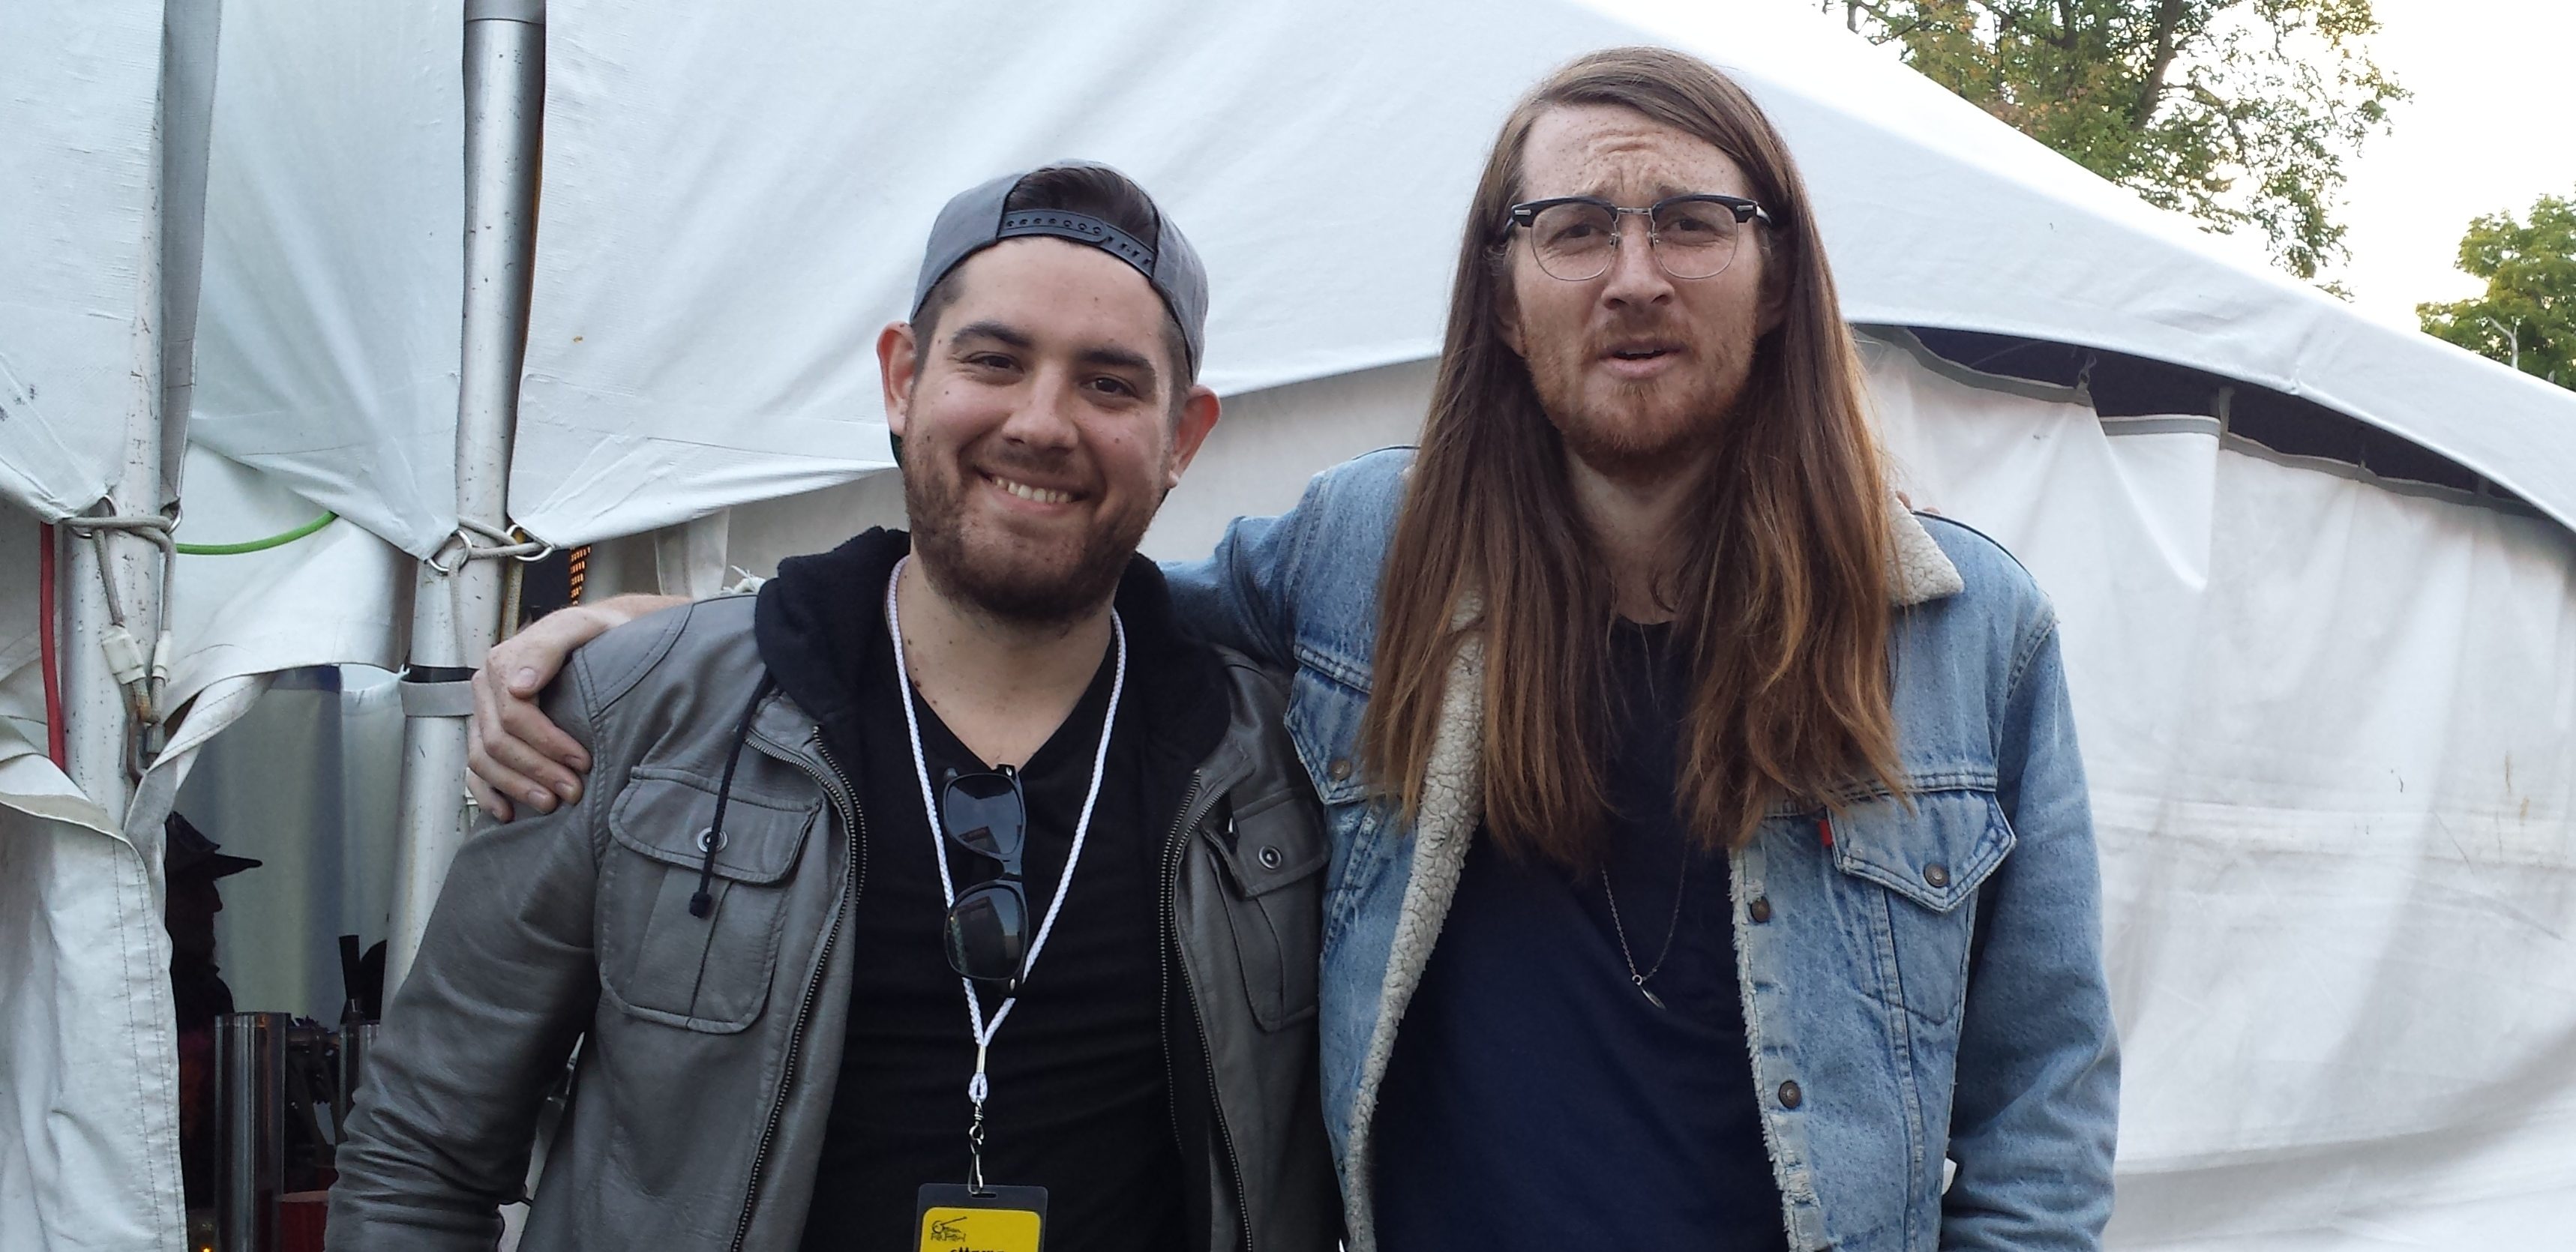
(1011, 881)
(1525, 215)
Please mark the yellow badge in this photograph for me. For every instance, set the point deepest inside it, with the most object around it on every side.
(1000, 1219)
(979, 1230)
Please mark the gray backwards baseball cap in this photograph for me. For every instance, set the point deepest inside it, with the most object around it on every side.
(975, 220)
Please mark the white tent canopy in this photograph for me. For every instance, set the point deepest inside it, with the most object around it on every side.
(708, 291)
(2328, 717)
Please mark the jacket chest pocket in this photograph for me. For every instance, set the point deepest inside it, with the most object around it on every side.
(1918, 872)
(1274, 854)
(657, 960)
(1325, 702)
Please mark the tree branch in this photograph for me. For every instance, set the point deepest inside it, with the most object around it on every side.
(1892, 31)
(2151, 93)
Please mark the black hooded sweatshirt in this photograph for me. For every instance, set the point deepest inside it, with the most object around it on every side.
(1080, 1073)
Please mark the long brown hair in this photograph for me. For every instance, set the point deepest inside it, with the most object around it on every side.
(1782, 594)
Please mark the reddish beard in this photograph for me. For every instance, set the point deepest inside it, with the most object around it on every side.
(1641, 431)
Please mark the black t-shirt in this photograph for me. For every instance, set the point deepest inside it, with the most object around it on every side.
(1078, 1101)
(1536, 1100)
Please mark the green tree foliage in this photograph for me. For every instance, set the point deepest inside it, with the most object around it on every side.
(2238, 112)
(2527, 318)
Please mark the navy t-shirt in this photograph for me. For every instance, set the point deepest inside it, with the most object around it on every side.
(1537, 1100)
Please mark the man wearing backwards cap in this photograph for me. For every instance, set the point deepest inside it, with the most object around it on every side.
(941, 895)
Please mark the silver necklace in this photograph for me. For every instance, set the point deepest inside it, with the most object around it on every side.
(1671, 927)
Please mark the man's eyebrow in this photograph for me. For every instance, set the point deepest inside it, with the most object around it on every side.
(1000, 331)
(1108, 357)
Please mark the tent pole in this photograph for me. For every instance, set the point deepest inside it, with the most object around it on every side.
(97, 726)
(456, 600)
(113, 576)
(114, 583)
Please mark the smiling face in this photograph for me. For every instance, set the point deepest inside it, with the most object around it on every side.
(1637, 369)
(1041, 427)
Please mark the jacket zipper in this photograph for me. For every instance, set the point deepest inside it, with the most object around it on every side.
(1176, 844)
(853, 877)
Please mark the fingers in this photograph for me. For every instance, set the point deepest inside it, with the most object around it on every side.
(497, 777)
(534, 746)
(525, 662)
(515, 754)
(490, 801)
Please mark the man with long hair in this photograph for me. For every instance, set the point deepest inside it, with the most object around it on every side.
(1711, 863)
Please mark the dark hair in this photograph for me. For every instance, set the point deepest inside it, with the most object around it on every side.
(1782, 595)
(1091, 190)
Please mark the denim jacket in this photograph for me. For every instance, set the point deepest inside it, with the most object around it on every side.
(1922, 978)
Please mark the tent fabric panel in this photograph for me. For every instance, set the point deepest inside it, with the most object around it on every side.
(89, 1134)
(81, 87)
(2326, 729)
(328, 335)
(340, 596)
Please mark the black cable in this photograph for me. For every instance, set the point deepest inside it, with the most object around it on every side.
(703, 901)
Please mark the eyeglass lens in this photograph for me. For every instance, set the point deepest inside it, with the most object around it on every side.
(984, 813)
(988, 931)
(1692, 239)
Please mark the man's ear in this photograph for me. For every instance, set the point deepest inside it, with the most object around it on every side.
(1507, 315)
(897, 365)
(1189, 431)
(1774, 308)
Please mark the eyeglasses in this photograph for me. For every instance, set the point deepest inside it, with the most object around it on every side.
(1575, 238)
(988, 927)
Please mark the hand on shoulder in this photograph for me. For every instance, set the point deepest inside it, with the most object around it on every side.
(513, 753)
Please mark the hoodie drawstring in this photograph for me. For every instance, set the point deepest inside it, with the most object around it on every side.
(703, 902)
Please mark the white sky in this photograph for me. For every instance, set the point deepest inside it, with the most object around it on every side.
(2491, 127)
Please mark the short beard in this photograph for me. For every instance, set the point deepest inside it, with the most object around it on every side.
(1642, 436)
(1030, 593)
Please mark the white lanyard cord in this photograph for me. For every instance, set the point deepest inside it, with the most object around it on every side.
(978, 1088)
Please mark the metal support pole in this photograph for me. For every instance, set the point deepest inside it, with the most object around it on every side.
(357, 1048)
(250, 1129)
(113, 586)
(456, 598)
(112, 583)
(190, 35)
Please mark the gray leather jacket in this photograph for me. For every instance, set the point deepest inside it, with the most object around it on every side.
(712, 1050)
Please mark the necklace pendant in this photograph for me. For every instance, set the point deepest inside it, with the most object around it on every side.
(1651, 997)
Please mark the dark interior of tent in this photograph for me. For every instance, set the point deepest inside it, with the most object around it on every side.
(2122, 385)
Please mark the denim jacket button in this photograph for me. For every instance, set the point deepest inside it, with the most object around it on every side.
(1760, 909)
(1269, 857)
(1790, 1096)
(1340, 769)
(1937, 875)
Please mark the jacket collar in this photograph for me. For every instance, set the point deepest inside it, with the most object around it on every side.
(1919, 571)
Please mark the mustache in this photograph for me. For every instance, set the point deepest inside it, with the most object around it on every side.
(1627, 327)
(1014, 460)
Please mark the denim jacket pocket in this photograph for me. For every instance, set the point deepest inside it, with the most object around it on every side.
(657, 960)
(1924, 867)
(1324, 707)
(1325, 702)
(1273, 854)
